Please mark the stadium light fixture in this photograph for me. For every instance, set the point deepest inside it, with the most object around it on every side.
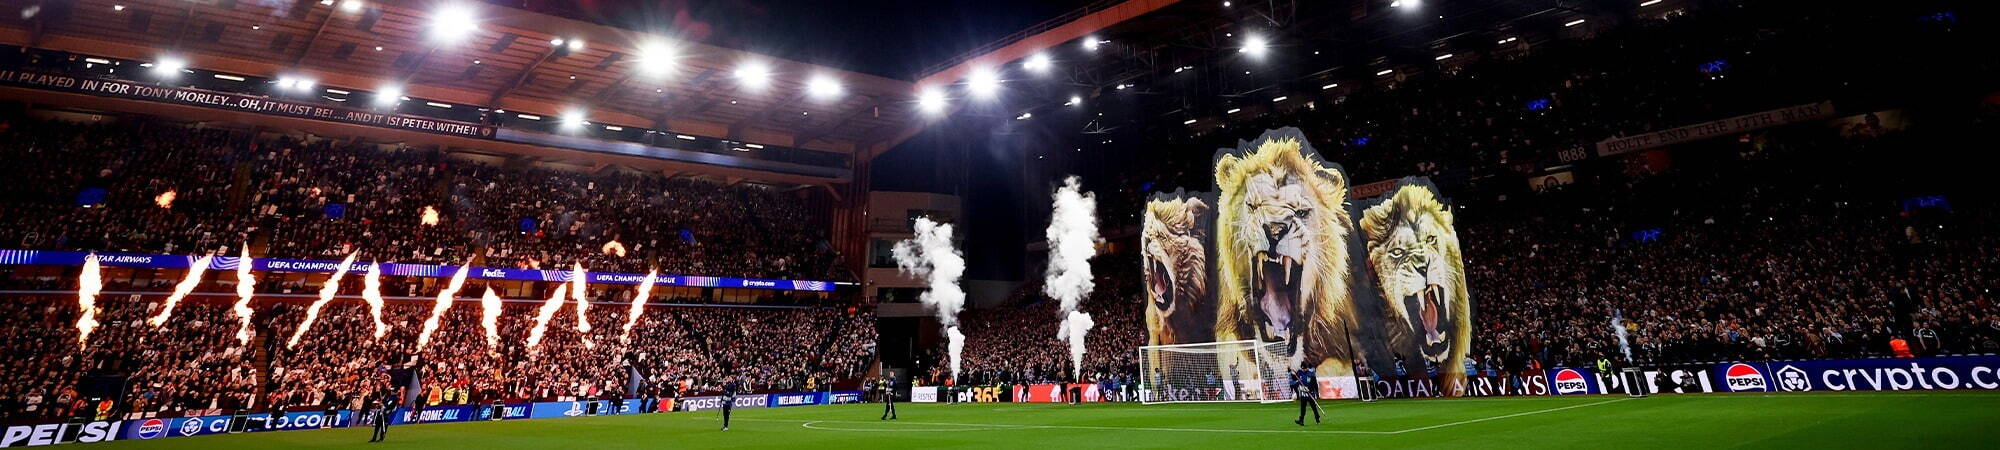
(1573, 23)
(224, 76)
(1280, 98)
(1188, 122)
(1024, 116)
(452, 23)
(1649, 3)
(1385, 72)
(684, 137)
(823, 87)
(1329, 86)
(1122, 86)
(984, 83)
(528, 116)
(656, 58)
(169, 66)
(931, 100)
(753, 75)
(388, 94)
(1233, 111)
(614, 128)
(1090, 43)
(1509, 39)
(1226, 4)
(1254, 45)
(1443, 57)
(1037, 63)
(573, 119)
(117, 7)
(351, 6)
(1074, 100)
(575, 45)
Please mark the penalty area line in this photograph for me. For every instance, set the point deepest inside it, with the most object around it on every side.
(1507, 416)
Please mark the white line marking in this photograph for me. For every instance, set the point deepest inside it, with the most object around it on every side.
(1064, 427)
(1529, 413)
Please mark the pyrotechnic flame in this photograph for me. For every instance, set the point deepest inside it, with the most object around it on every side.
(580, 290)
(430, 216)
(443, 304)
(371, 292)
(542, 317)
(246, 287)
(614, 248)
(182, 290)
(638, 305)
(165, 199)
(88, 286)
(325, 295)
(490, 305)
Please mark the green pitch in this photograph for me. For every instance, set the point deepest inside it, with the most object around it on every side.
(1833, 420)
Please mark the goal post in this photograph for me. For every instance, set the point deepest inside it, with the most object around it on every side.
(1229, 371)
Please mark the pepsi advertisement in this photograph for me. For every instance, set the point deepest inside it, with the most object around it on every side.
(1574, 381)
(1900, 374)
(175, 427)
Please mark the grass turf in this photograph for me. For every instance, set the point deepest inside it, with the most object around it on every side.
(1836, 420)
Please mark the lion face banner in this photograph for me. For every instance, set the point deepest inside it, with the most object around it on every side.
(1280, 253)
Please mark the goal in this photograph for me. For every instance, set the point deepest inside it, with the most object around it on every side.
(1231, 371)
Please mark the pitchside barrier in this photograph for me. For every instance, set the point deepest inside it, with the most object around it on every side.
(26, 435)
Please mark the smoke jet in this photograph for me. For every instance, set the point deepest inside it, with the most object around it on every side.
(930, 255)
(1073, 239)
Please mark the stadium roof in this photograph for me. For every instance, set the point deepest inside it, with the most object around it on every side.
(514, 60)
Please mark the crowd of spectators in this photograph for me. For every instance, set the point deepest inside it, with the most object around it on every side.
(101, 187)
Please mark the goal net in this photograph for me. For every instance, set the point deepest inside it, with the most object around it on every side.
(1233, 371)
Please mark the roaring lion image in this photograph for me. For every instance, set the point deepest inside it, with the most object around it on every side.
(1281, 252)
(1413, 256)
(1174, 248)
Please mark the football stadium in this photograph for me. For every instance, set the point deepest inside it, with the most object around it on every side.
(1035, 223)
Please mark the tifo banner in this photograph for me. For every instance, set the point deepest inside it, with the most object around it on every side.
(238, 102)
(1284, 249)
(57, 433)
(924, 394)
(1903, 374)
(801, 399)
(1705, 130)
(225, 263)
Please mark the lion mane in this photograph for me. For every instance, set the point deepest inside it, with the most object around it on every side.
(1282, 229)
(1419, 273)
(1174, 253)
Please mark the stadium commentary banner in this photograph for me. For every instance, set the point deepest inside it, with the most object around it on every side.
(237, 102)
(1705, 130)
(150, 261)
(1285, 249)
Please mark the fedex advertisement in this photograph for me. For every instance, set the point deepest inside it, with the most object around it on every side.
(1574, 381)
(1901, 374)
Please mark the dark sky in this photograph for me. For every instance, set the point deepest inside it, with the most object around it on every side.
(891, 38)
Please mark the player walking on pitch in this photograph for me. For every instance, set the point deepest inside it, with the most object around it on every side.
(1305, 386)
(728, 400)
(889, 398)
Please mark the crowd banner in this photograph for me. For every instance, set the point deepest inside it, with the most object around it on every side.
(924, 394)
(797, 399)
(431, 414)
(238, 102)
(225, 263)
(60, 433)
(1705, 130)
(1899, 374)
(1575, 381)
(844, 397)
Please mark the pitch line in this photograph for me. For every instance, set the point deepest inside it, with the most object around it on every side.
(812, 425)
(1529, 413)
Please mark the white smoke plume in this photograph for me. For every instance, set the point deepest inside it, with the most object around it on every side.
(182, 290)
(929, 255)
(490, 319)
(326, 293)
(1072, 330)
(371, 293)
(246, 288)
(547, 312)
(638, 305)
(1073, 239)
(89, 284)
(1618, 326)
(444, 300)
